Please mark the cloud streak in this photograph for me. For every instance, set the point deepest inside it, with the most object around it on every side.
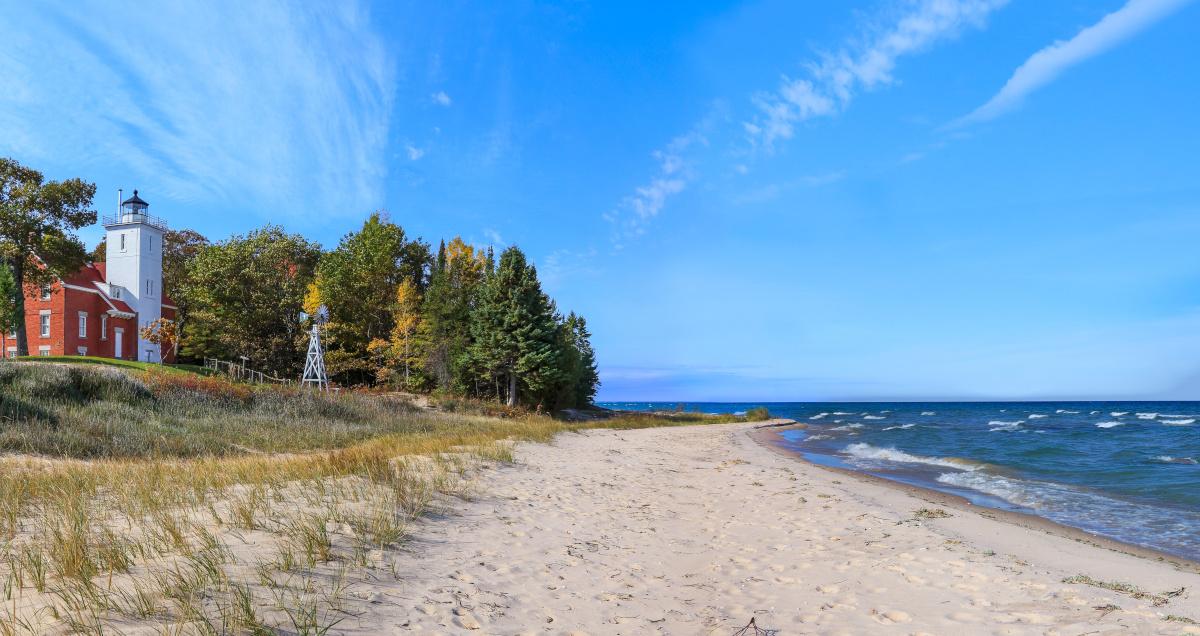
(832, 83)
(272, 105)
(1047, 64)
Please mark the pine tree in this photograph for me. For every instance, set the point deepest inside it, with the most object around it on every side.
(515, 332)
(588, 378)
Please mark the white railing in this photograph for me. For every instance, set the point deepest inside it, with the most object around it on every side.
(135, 217)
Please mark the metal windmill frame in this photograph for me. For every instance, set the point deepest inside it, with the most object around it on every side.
(314, 364)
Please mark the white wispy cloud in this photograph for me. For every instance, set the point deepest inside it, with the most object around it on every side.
(630, 217)
(832, 82)
(1047, 64)
(280, 106)
(866, 61)
(494, 237)
(414, 153)
(441, 98)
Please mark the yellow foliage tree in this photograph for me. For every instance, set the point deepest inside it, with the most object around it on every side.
(407, 316)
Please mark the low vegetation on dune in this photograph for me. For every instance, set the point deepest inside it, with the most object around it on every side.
(200, 505)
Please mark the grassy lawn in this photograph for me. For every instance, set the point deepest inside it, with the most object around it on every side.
(112, 362)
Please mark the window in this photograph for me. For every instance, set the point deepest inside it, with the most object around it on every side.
(122, 241)
(81, 351)
(12, 352)
(83, 324)
(149, 244)
(46, 293)
(45, 322)
(149, 287)
(114, 291)
(44, 351)
(104, 326)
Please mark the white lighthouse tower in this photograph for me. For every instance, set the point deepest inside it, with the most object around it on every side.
(133, 253)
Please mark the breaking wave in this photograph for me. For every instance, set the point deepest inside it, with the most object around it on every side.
(866, 451)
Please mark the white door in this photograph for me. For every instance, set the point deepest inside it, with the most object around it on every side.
(117, 348)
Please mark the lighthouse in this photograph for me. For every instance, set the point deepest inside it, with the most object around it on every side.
(133, 253)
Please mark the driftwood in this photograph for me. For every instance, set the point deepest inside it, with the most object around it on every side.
(752, 629)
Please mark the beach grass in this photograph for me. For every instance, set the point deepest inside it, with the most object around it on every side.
(129, 492)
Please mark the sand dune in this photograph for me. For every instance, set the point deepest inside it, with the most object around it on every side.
(697, 530)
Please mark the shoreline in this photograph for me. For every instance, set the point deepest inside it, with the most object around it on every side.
(767, 436)
(699, 529)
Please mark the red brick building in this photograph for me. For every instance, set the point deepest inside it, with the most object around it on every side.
(77, 316)
(99, 310)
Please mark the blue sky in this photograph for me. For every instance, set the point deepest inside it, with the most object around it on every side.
(762, 200)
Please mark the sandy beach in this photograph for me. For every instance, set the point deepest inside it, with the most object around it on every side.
(696, 530)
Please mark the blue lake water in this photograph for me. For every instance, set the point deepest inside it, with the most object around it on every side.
(1126, 470)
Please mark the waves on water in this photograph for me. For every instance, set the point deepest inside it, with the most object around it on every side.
(846, 427)
(1184, 422)
(1004, 426)
(866, 451)
(1034, 416)
(818, 416)
(1167, 459)
(874, 417)
(1066, 412)
(1146, 416)
(1109, 424)
(892, 428)
(1119, 413)
(928, 413)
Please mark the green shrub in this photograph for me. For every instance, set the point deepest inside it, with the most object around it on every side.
(757, 414)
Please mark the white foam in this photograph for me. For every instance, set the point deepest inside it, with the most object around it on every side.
(1119, 413)
(928, 413)
(1109, 424)
(1034, 416)
(1179, 422)
(1061, 411)
(892, 428)
(1093, 412)
(813, 437)
(874, 417)
(866, 451)
(1147, 416)
(846, 427)
(1176, 460)
(1009, 490)
(1004, 426)
(841, 413)
(818, 416)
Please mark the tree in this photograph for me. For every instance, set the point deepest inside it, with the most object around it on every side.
(161, 332)
(358, 281)
(587, 377)
(38, 219)
(515, 332)
(446, 314)
(8, 300)
(407, 322)
(246, 295)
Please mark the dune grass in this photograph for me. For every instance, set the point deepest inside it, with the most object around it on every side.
(113, 362)
(137, 492)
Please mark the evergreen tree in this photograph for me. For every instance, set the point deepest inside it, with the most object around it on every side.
(446, 314)
(587, 380)
(515, 333)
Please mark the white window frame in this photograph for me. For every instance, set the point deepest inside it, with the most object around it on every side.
(83, 324)
(122, 235)
(46, 291)
(44, 351)
(44, 323)
(104, 326)
(114, 291)
(81, 351)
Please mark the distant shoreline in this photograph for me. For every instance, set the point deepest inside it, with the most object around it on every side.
(768, 436)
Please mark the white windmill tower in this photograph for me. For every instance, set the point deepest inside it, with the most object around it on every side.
(314, 365)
